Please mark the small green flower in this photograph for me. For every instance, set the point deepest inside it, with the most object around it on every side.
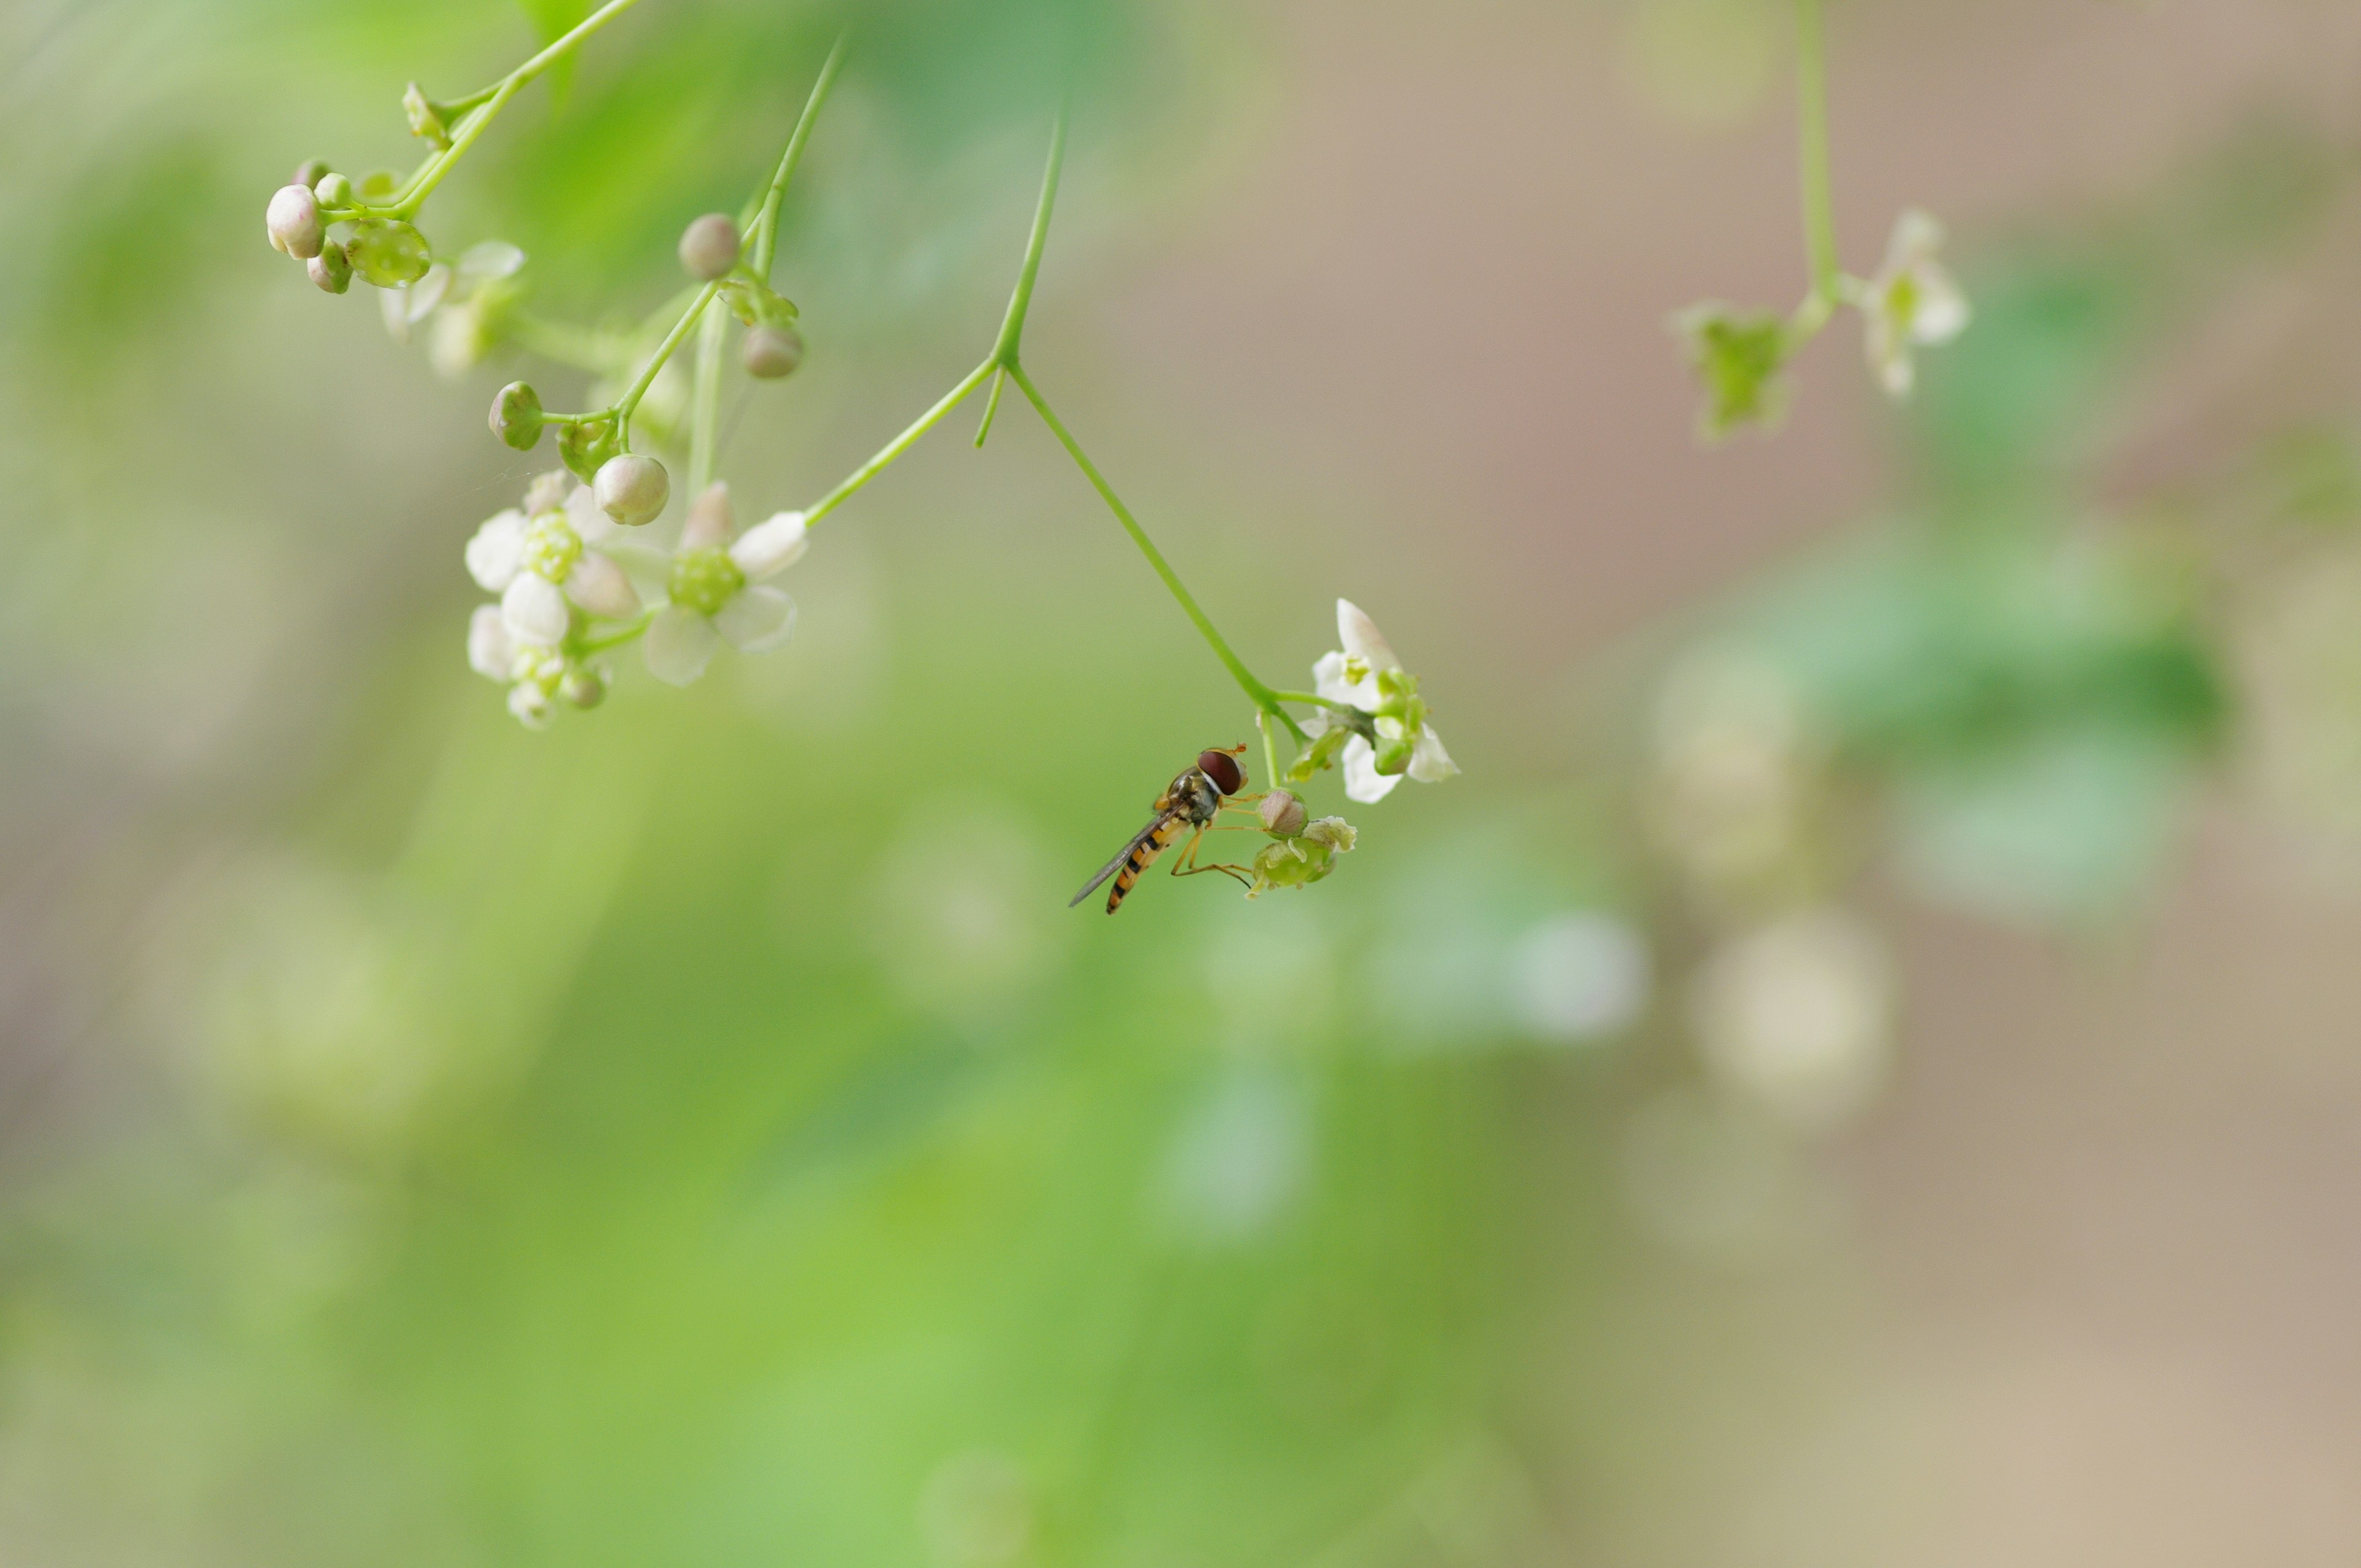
(1303, 860)
(388, 253)
(425, 117)
(1739, 357)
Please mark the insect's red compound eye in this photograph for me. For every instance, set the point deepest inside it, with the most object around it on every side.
(1223, 769)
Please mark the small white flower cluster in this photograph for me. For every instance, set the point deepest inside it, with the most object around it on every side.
(1374, 714)
(1912, 302)
(559, 562)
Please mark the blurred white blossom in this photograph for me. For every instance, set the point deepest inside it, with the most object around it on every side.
(1911, 302)
(716, 593)
(1366, 676)
(1799, 1013)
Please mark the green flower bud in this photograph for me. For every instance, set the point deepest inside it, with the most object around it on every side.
(330, 269)
(1334, 832)
(586, 445)
(772, 352)
(1394, 757)
(425, 118)
(293, 222)
(1737, 356)
(311, 172)
(709, 246)
(516, 416)
(1282, 814)
(632, 488)
(333, 191)
(387, 252)
(585, 686)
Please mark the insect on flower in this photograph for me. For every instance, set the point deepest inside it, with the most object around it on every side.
(1193, 799)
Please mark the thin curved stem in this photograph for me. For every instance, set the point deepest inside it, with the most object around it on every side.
(1012, 326)
(630, 399)
(706, 412)
(763, 239)
(617, 637)
(1262, 695)
(895, 448)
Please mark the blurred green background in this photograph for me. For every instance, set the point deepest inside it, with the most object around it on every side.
(1859, 1071)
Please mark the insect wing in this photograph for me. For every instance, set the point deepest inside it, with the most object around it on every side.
(1121, 855)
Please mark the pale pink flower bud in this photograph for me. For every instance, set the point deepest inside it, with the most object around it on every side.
(710, 521)
(1282, 814)
(632, 488)
(329, 269)
(293, 221)
(599, 586)
(709, 246)
(770, 546)
(772, 352)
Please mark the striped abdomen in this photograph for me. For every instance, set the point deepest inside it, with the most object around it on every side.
(1143, 854)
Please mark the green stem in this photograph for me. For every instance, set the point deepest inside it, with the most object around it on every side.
(483, 106)
(617, 637)
(896, 447)
(1314, 698)
(1812, 127)
(1012, 326)
(630, 399)
(1270, 754)
(763, 239)
(1262, 695)
(707, 411)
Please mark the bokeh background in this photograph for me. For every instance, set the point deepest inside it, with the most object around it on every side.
(1861, 1070)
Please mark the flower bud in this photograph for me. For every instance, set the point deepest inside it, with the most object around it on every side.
(293, 222)
(386, 252)
(1282, 814)
(584, 446)
(585, 686)
(631, 488)
(329, 269)
(333, 191)
(516, 416)
(772, 352)
(424, 119)
(311, 172)
(709, 246)
(711, 520)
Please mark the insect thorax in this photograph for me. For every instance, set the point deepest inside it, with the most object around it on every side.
(1193, 798)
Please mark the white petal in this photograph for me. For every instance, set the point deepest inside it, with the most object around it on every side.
(1361, 638)
(599, 586)
(710, 520)
(679, 644)
(497, 552)
(771, 546)
(418, 300)
(591, 523)
(490, 258)
(1428, 763)
(1918, 235)
(390, 307)
(531, 705)
(1362, 780)
(490, 651)
(1942, 311)
(757, 618)
(534, 610)
(1328, 680)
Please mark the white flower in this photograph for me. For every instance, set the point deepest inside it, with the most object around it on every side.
(1365, 675)
(1911, 302)
(715, 591)
(466, 302)
(537, 557)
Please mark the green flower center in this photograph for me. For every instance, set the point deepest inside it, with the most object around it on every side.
(704, 580)
(551, 546)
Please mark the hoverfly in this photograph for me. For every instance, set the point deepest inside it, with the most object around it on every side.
(1193, 799)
